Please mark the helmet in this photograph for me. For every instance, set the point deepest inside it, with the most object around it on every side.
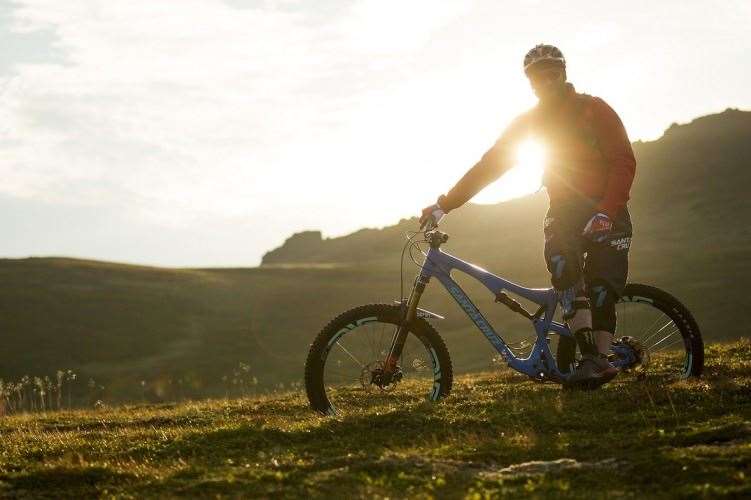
(543, 53)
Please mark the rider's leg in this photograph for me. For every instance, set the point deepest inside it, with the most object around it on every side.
(602, 300)
(563, 257)
(577, 314)
(606, 272)
(594, 368)
(603, 339)
(564, 264)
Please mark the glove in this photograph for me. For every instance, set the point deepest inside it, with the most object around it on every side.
(431, 216)
(598, 227)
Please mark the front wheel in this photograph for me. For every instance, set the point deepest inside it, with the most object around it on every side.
(658, 329)
(343, 371)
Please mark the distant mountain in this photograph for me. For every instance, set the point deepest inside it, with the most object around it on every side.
(154, 333)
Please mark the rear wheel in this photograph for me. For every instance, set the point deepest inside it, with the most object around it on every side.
(658, 329)
(343, 372)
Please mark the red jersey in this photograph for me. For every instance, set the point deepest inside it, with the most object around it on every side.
(589, 155)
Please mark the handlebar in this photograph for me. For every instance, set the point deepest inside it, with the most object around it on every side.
(435, 218)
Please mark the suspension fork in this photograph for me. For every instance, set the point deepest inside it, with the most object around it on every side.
(400, 336)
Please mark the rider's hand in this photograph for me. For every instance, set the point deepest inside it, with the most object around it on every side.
(431, 215)
(598, 227)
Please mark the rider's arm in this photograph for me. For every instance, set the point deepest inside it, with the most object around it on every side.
(616, 148)
(494, 163)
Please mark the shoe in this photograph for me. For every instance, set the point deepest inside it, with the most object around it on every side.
(591, 373)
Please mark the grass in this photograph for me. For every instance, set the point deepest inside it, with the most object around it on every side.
(631, 439)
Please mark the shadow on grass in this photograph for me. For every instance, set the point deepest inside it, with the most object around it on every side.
(62, 482)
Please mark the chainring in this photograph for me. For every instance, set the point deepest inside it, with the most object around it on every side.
(641, 355)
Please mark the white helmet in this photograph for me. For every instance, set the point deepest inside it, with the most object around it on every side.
(544, 53)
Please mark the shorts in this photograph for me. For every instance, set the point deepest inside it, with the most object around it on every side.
(570, 256)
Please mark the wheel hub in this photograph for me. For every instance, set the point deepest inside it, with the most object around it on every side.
(373, 374)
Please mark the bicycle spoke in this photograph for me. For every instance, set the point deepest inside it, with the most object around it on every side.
(345, 382)
(647, 339)
(338, 342)
(380, 341)
(662, 340)
(341, 375)
(649, 328)
(676, 341)
(372, 343)
(406, 359)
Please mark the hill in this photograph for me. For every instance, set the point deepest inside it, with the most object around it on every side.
(135, 333)
(690, 180)
(496, 435)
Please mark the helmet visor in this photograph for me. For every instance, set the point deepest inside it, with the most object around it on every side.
(540, 76)
(544, 64)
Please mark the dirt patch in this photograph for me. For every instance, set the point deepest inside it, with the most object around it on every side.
(538, 467)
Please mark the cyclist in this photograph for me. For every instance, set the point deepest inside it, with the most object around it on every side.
(587, 228)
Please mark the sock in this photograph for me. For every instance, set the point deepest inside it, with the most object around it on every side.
(587, 342)
(604, 340)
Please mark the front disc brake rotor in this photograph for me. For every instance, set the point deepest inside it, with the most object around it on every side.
(372, 375)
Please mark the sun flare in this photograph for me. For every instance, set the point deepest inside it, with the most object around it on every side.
(524, 178)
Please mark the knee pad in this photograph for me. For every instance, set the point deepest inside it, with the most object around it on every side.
(565, 270)
(602, 300)
(575, 308)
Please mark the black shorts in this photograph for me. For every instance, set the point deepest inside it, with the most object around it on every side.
(570, 256)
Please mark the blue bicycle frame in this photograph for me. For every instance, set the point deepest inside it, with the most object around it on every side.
(540, 364)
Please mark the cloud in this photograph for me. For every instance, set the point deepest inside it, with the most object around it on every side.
(196, 106)
(159, 100)
(328, 115)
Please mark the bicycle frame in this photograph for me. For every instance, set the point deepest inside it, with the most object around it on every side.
(540, 364)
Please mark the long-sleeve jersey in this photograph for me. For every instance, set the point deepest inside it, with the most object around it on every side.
(588, 154)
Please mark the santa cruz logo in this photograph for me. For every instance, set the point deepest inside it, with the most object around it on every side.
(621, 243)
(476, 317)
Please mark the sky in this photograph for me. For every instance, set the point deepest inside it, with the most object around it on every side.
(203, 133)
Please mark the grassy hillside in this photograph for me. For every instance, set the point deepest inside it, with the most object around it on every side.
(184, 332)
(496, 435)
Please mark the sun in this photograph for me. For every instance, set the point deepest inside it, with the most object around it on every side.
(524, 178)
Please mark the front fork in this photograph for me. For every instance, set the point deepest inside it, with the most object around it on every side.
(400, 336)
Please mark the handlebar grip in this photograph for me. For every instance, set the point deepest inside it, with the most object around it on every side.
(434, 219)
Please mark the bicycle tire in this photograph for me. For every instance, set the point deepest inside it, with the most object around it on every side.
(670, 307)
(348, 323)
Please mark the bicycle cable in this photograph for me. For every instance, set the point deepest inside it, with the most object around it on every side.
(428, 259)
(401, 268)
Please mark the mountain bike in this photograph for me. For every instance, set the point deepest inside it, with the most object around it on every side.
(391, 353)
